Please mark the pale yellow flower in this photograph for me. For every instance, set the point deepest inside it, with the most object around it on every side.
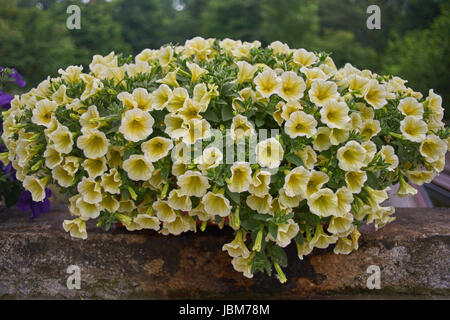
(93, 85)
(357, 84)
(52, 157)
(246, 71)
(292, 86)
(345, 199)
(351, 156)
(62, 139)
(196, 71)
(43, 111)
(216, 204)
(175, 126)
(286, 201)
(285, 233)
(90, 114)
(71, 74)
(170, 79)
(138, 167)
(198, 47)
(237, 247)
(343, 246)
(111, 181)
(411, 107)
(405, 189)
(323, 202)
(60, 96)
(320, 239)
(375, 94)
(260, 204)
(179, 201)
(241, 176)
(156, 148)
(303, 249)
(93, 143)
(389, 156)
(196, 130)
(371, 150)
(62, 176)
(413, 129)
(95, 167)
(178, 226)
(241, 127)
(432, 148)
(211, 158)
(191, 110)
(335, 114)
(127, 100)
(322, 140)
(142, 98)
(304, 58)
(308, 156)
(163, 211)
(313, 74)
(193, 183)
(181, 153)
(269, 153)
(136, 125)
(161, 97)
(315, 182)
(300, 124)
(267, 83)
(338, 136)
(146, 221)
(156, 181)
(90, 190)
(355, 180)
(178, 168)
(259, 185)
(288, 109)
(36, 187)
(295, 182)
(243, 265)
(279, 48)
(134, 69)
(420, 177)
(340, 224)
(114, 156)
(177, 99)
(76, 227)
(435, 103)
(322, 91)
(165, 56)
(87, 210)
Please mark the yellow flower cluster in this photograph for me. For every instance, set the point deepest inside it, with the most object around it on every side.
(119, 140)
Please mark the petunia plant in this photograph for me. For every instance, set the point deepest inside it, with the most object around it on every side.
(276, 143)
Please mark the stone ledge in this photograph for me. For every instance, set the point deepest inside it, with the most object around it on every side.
(412, 252)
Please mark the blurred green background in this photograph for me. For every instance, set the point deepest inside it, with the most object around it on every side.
(413, 41)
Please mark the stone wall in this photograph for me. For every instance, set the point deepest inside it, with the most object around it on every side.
(412, 254)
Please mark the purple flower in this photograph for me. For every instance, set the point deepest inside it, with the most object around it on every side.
(5, 100)
(19, 79)
(37, 208)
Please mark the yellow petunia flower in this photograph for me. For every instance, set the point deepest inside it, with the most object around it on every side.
(114, 156)
(345, 199)
(93, 143)
(286, 201)
(351, 156)
(163, 211)
(175, 126)
(243, 265)
(389, 156)
(36, 187)
(300, 124)
(161, 97)
(432, 148)
(43, 111)
(322, 91)
(267, 83)
(111, 181)
(292, 86)
(295, 182)
(313, 74)
(136, 125)
(289, 108)
(127, 100)
(90, 190)
(375, 94)
(76, 227)
(62, 139)
(411, 107)
(142, 98)
(196, 71)
(322, 139)
(370, 129)
(285, 233)
(320, 239)
(405, 189)
(62, 176)
(420, 177)
(87, 210)
(170, 79)
(343, 246)
(342, 224)
(146, 221)
(304, 58)
(196, 130)
(211, 158)
(308, 156)
(237, 247)
(91, 113)
(246, 71)
(323, 203)
(95, 167)
(165, 56)
(216, 204)
(193, 183)
(110, 203)
(315, 182)
(357, 84)
(241, 176)
(371, 150)
(355, 180)
(179, 201)
(191, 110)
(259, 185)
(269, 153)
(52, 157)
(241, 127)
(413, 129)
(260, 204)
(156, 148)
(138, 167)
(335, 114)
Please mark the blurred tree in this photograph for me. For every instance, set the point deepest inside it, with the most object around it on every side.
(423, 57)
(32, 43)
(143, 23)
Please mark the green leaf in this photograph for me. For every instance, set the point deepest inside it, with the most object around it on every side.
(227, 112)
(295, 159)
(273, 229)
(235, 196)
(210, 115)
(279, 255)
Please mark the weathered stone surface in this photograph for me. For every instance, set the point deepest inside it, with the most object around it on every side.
(412, 253)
